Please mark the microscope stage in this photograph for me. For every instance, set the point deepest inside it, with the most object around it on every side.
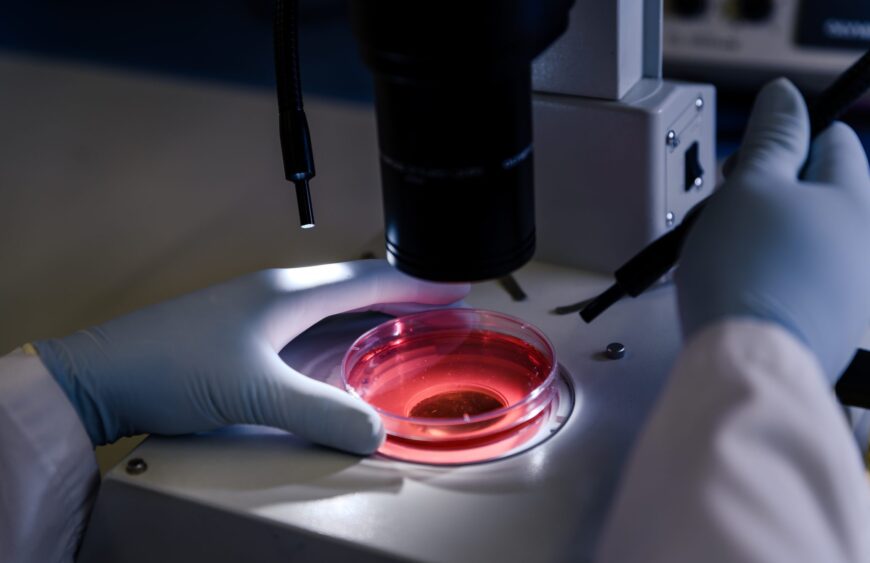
(257, 494)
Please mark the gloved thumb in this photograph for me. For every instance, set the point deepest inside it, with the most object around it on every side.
(314, 411)
(777, 137)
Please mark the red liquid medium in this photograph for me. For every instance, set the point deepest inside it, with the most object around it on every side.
(451, 378)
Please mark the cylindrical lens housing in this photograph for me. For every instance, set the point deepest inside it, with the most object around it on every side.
(453, 101)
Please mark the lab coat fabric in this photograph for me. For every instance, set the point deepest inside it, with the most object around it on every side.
(48, 473)
(747, 457)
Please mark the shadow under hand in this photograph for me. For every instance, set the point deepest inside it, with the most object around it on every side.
(251, 459)
(318, 351)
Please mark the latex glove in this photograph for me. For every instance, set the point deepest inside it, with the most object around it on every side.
(210, 358)
(777, 245)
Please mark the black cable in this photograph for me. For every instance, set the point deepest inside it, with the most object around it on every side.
(647, 267)
(839, 96)
(657, 259)
(293, 125)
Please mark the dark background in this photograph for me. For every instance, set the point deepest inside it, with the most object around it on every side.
(231, 41)
(217, 40)
(813, 16)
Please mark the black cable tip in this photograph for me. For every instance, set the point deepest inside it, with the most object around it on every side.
(601, 303)
(303, 199)
(573, 308)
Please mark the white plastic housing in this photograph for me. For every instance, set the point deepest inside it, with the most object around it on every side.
(607, 181)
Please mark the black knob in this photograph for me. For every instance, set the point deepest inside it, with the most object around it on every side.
(755, 10)
(689, 8)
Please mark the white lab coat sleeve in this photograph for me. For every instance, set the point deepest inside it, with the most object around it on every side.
(48, 473)
(746, 458)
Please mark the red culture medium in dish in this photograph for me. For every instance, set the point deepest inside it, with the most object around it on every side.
(452, 378)
(451, 374)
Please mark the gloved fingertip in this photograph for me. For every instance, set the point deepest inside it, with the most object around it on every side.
(326, 415)
(838, 159)
(359, 431)
(363, 437)
(777, 138)
(838, 134)
(782, 94)
(435, 293)
(451, 292)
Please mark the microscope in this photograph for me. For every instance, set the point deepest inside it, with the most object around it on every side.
(454, 105)
(507, 129)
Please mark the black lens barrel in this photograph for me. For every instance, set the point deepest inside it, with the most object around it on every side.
(453, 102)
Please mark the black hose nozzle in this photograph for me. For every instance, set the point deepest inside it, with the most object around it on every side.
(293, 126)
(303, 199)
(298, 161)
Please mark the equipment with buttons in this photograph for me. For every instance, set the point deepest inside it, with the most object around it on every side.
(740, 44)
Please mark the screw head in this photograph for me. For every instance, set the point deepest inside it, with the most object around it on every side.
(670, 218)
(136, 466)
(615, 351)
(672, 140)
(699, 103)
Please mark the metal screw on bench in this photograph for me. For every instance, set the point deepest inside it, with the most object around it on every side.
(136, 466)
(615, 351)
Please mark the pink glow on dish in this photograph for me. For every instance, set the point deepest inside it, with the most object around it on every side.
(453, 380)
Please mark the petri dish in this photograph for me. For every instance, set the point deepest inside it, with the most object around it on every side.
(452, 378)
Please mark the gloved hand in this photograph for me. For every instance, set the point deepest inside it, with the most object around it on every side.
(785, 246)
(210, 358)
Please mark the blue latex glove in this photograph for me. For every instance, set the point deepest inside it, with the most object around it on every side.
(210, 358)
(782, 246)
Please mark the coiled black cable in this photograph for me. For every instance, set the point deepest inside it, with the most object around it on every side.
(293, 125)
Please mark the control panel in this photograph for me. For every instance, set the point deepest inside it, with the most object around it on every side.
(743, 43)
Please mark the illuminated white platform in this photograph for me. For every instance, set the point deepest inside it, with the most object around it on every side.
(260, 495)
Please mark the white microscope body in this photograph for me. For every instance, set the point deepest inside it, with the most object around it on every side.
(622, 155)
